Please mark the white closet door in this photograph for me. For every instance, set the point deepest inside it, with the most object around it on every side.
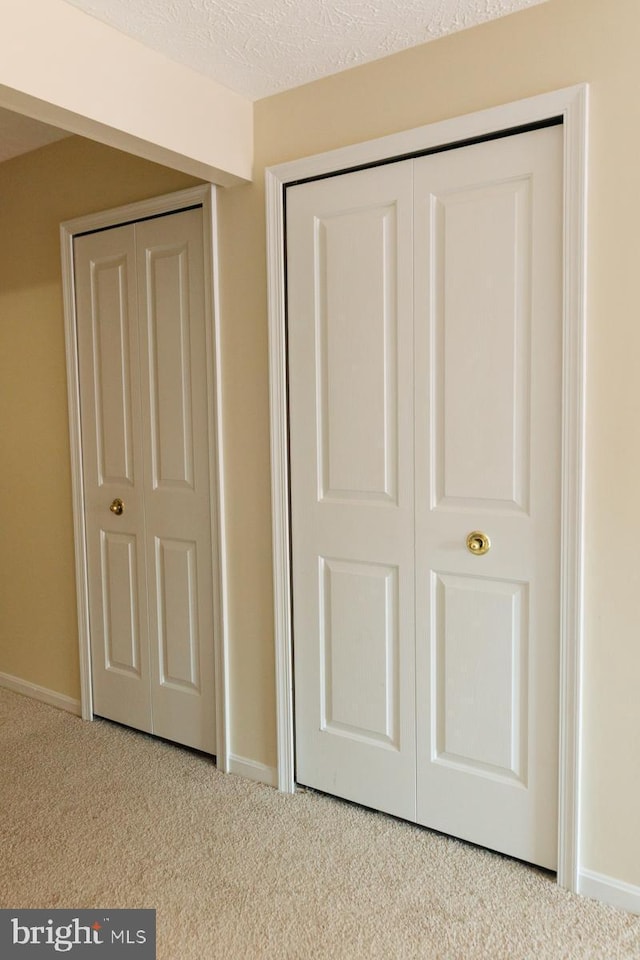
(442, 348)
(488, 258)
(109, 358)
(142, 341)
(349, 260)
(170, 264)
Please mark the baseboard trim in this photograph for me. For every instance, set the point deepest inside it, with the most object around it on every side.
(616, 893)
(51, 697)
(253, 770)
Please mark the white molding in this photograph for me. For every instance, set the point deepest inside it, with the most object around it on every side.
(252, 770)
(151, 207)
(399, 145)
(204, 196)
(280, 480)
(571, 104)
(575, 115)
(617, 893)
(36, 692)
(216, 458)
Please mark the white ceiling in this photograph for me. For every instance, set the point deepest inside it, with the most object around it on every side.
(259, 47)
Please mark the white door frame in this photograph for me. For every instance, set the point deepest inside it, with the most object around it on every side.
(571, 104)
(204, 196)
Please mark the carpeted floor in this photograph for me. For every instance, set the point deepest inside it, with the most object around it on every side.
(94, 815)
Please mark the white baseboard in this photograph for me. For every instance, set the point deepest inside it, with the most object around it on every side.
(253, 770)
(616, 893)
(28, 689)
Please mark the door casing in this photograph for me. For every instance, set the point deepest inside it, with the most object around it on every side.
(205, 197)
(572, 105)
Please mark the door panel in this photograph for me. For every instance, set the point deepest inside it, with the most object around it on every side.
(109, 357)
(177, 592)
(480, 688)
(481, 265)
(359, 648)
(488, 255)
(358, 392)
(112, 365)
(121, 616)
(170, 263)
(170, 385)
(350, 337)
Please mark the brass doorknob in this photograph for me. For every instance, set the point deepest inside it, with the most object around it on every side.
(117, 507)
(478, 543)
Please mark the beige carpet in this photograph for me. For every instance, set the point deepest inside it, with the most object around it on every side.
(94, 815)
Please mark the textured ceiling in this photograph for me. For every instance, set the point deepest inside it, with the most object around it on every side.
(258, 47)
(20, 134)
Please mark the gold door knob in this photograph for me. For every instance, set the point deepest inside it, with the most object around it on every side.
(117, 507)
(478, 543)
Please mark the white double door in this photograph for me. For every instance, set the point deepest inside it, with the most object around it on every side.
(424, 326)
(142, 345)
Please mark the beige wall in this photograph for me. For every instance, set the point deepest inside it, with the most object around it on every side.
(549, 46)
(38, 626)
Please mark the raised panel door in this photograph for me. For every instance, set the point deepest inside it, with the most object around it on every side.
(488, 255)
(351, 342)
(424, 320)
(170, 263)
(109, 358)
(142, 339)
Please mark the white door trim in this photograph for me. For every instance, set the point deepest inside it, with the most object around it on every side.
(204, 196)
(571, 104)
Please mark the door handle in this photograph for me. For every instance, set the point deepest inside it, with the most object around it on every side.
(478, 543)
(117, 507)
